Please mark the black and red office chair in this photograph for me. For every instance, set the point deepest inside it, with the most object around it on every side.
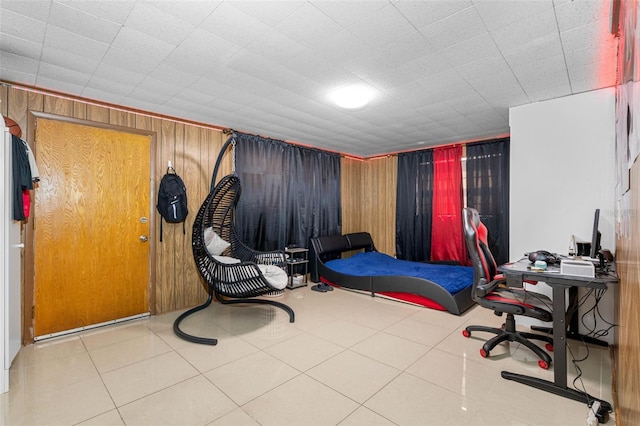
(490, 291)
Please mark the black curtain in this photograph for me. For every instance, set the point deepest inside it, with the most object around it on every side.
(413, 205)
(313, 196)
(488, 191)
(289, 193)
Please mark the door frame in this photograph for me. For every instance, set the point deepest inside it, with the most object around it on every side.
(28, 300)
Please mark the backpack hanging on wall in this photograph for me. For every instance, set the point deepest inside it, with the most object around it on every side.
(172, 199)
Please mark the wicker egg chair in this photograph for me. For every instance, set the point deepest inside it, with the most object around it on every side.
(229, 283)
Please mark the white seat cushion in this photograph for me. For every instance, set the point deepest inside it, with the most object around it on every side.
(275, 276)
(227, 260)
(214, 243)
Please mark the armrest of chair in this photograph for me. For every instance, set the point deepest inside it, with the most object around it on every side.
(485, 287)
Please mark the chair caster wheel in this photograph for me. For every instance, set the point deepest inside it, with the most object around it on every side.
(484, 354)
(543, 364)
(549, 347)
(466, 333)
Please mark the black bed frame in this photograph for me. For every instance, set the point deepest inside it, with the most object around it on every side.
(328, 248)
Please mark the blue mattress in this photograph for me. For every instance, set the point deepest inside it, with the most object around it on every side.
(451, 278)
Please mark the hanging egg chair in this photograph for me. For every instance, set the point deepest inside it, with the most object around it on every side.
(233, 272)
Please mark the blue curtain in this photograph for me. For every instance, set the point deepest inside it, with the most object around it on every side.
(488, 191)
(414, 205)
(289, 193)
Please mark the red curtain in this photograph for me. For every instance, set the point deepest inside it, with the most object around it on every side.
(446, 229)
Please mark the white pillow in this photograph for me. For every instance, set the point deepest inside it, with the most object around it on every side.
(274, 275)
(227, 260)
(215, 244)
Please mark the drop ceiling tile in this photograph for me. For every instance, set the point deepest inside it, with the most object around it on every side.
(308, 26)
(16, 76)
(341, 47)
(108, 72)
(269, 12)
(211, 88)
(275, 46)
(421, 68)
(347, 13)
(549, 72)
(61, 58)
(536, 91)
(19, 63)
(513, 36)
(383, 27)
(500, 13)
(587, 36)
(471, 103)
(22, 26)
(62, 39)
(193, 12)
(158, 23)
(19, 46)
(135, 41)
(577, 14)
(479, 70)
(424, 13)
(201, 52)
(114, 11)
(173, 76)
(108, 95)
(597, 67)
(127, 60)
(99, 84)
(35, 9)
(534, 51)
(454, 29)
(83, 23)
(56, 83)
(489, 119)
(233, 25)
(471, 50)
(152, 91)
(54, 72)
(447, 85)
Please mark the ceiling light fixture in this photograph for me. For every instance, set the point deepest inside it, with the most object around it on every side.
(352, 97)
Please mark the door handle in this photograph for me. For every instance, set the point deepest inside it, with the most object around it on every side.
(144, 238)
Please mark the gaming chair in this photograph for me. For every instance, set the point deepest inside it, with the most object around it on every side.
(490, 291)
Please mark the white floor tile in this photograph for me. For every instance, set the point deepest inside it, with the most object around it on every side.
(348, 359)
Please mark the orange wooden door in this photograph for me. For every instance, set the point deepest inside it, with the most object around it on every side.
(91, 209)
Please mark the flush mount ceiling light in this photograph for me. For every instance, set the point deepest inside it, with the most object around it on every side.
(352, 97)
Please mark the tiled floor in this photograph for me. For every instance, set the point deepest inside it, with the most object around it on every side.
(349, 359)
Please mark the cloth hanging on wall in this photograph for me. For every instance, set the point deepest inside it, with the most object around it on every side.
(446, 229)
(413, 205)
(488, 191)
(289, 193)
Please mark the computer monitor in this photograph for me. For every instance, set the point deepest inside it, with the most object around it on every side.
(595, 236)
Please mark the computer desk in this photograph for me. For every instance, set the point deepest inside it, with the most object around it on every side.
(515, 273)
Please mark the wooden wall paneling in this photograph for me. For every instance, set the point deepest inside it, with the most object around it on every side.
(122, 118)
(98, 113)
(167, 270)
(80, 110)
(627, 348)
(4, 104)
(58, 106)
(17, 102)
(351, 186)
(379, 184)
(155, 125)
(179, 258)
(196, 185)
(143, 122)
